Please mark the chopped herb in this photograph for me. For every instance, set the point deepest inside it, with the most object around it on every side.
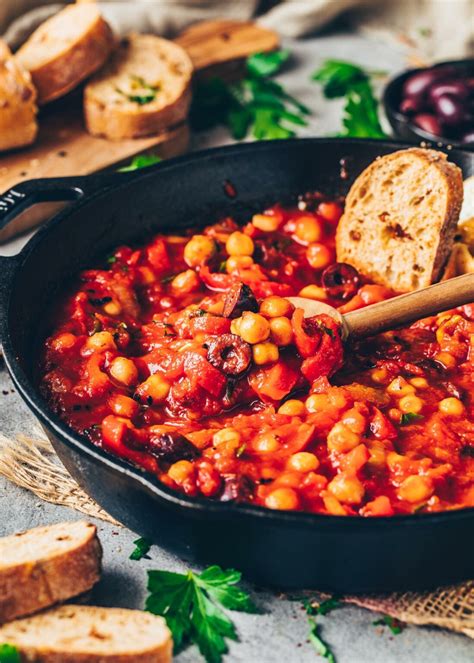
(190, 604)
(142, 548)
(222, 266)
(255, 104)
(9, 654)
(325, 329)
(393, 624)
(111, 259)
(149, 91)
(198, 313)
(425, 32)
(323, 608)
(97, 326)
(343, 79)
(168, 279)
(408, 418)
(140, 161)
(318, 643)
(241, 450)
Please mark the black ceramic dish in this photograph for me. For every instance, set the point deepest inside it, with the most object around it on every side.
(275, 548)
(401, 123)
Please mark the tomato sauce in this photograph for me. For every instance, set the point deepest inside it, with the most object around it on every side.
(183, 357)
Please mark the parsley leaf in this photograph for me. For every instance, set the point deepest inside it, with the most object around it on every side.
(190, 604)
(142, 548)
(393, 624)
(255, 104)
(323, 608)
(145, 92)
(408, 418)
(343, 79)
(318, 643)
(9, 654)
(111, 260)
(140, 161)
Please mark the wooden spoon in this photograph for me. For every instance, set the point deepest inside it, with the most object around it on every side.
(396, 312)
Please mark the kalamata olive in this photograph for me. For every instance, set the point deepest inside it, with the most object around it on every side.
(229, 353)
(419, 83)
(428, 122)
(455, 88)
(411, 105)
(340, 280)
(450, 111)
(169, 447)
(236, 488)
(468, 137)
(238, 299)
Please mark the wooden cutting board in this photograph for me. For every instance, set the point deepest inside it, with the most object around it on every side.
(65, 148)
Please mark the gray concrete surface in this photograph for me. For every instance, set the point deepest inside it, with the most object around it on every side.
(280, 633)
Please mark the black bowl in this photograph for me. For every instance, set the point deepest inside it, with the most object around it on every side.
(401, 123)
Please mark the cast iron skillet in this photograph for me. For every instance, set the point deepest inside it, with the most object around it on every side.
(290, 550)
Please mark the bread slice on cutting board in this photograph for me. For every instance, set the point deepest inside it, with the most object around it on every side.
(84, 634)
(66, 49)
(18, 124)
(46, 565)
(144, 89)
(400, 219)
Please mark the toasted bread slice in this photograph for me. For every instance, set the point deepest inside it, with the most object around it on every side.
(400, 219)
(66, 49)
(144, 89)
(18, 124)
(46, 565)
(84, 634)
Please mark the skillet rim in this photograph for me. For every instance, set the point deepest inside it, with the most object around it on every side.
(66, 435)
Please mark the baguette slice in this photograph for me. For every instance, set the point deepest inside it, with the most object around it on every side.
(66, 49)
(400, 219)
(46, 565)
(18, 124)
(144, 89)
(84, 634)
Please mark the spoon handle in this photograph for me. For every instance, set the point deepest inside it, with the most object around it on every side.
(410, 307)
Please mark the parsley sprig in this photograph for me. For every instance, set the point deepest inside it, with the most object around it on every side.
(256, 104)
(408, 418)
(191, 602)
(318, 643)
(140, 161)
(393, 624)
(142, 548)
(343, 79)
(9, 654)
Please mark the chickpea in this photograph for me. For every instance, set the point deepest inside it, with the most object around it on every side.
(333, 506)
(112, 308)
(234, 263)
(276, 307)
(63, 341)
(199, 250)
(265, 353)
(313, 292)
(419, 383)
(235, 326)
(303, 461)
(123, 406)
(266, 222)
(446, 359)
(253, 327)
(416, 489)
(180, 471)
(226, 435)
(318, 255)
(342, 439)
(239, 244)
(451, 406)
(292, 407)
(410, 404)
(379, 375)
(101, 341)
(281, 331)
(154, 387)
(284, 499)
(317, 403)
(266, 443)
(186, 282)
(400, 387)
(308, 229)
(354, 420)
(347, 489)
(124, 371)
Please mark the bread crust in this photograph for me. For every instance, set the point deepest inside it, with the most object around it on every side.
(117, 121)
(18, 125)
(360, 233)
(70, 567)
(58, 75)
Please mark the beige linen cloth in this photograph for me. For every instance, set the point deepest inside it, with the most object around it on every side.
(447, 27)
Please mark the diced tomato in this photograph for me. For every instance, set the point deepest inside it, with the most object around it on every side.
(380, 506)
(157, 256)
(203, 374)
(274, 383)
(209, 324)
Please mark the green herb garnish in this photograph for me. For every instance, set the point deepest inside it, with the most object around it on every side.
(140, 161)
(142, 548)
(222, 266)
(408, 418)
(323, 608)
(241, 450)
(111, 259)
(9, 654)
(148, 95)
(318, 643)
(325, 330)
(190, 604)
(393, 624)
(343, 79)
(256, 104)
